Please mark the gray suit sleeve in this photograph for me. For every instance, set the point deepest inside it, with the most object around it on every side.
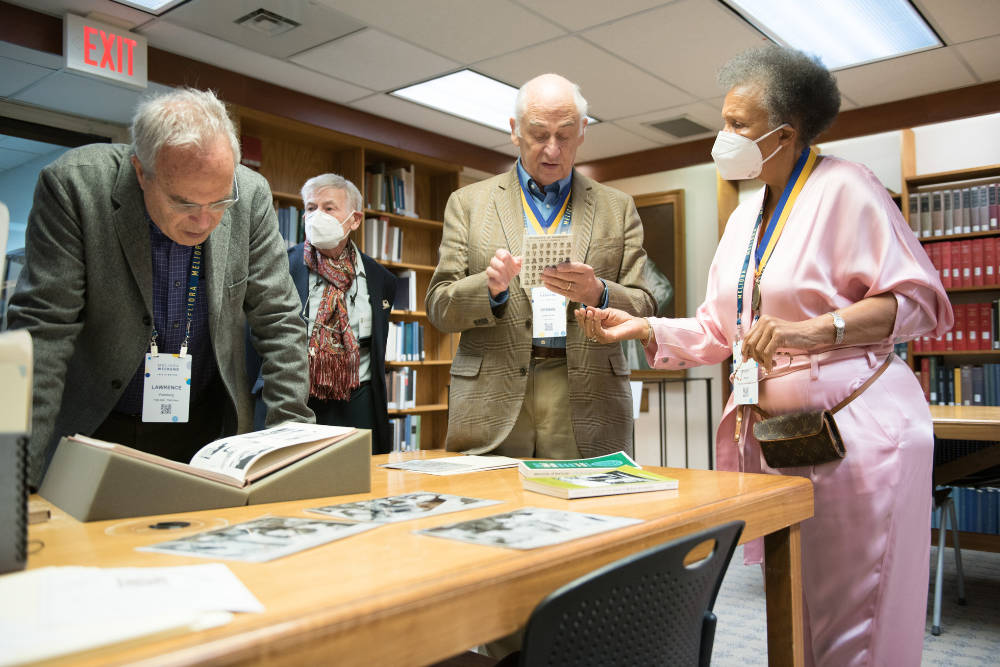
(272, 309)
(48, 302)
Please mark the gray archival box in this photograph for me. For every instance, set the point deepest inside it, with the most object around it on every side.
(93, 484)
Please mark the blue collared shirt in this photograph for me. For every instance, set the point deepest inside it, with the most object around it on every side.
(546, 202)
(171, 272)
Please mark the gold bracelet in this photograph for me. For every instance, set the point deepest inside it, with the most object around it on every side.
(649, 333)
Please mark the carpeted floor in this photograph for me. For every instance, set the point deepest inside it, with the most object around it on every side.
(970, 634)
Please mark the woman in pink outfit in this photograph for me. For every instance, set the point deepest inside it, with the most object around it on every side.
(816, 276)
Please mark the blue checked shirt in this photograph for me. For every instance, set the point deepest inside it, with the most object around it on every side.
(171, 271)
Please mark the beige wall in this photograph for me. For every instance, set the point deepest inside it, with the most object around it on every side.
(700, 240)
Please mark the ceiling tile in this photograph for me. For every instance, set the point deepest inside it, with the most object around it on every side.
(317, 24)
(907, 76)
(375, 60)
(11, 158)
(579, 14)
(961, 20)
(27, 145)
(122, 14)
(465, 31)
(614, 89)
(16, 75)
(684, 43)
(606, 139)
(983, 56)
(87, 97)
(30, 56)
(700, 112)
(208, 49)
(430, 120)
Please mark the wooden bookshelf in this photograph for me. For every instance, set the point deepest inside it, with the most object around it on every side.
(294, 151)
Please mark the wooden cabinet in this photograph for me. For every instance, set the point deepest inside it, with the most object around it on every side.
(291, 152)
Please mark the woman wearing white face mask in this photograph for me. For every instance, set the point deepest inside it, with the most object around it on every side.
(346, 300)
(814, 279)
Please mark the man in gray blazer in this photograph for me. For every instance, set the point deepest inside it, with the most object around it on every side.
(138, 253)
(524, 381)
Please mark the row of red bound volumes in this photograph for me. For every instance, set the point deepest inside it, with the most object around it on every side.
(967, 263)
(976, 329)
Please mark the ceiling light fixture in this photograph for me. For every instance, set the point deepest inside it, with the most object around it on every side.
(843, 33)
(155, 7)
(468, 95)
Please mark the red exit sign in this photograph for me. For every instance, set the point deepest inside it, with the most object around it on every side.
(105, 51)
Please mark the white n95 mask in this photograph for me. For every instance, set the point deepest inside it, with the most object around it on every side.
(324, 231)
(738, 158)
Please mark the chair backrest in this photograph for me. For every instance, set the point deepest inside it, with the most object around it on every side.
(647, 609)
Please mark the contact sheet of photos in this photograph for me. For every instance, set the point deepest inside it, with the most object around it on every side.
(540, 251)
(270, 537)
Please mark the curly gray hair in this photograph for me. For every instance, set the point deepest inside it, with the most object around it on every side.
(336, 181)
(797, 89)
(183, 117)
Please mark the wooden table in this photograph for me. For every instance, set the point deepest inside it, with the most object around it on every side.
(966, 422)
(389, 597)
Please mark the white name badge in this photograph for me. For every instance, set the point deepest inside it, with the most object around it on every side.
(166, 389)
(548, 314)
(744, 377)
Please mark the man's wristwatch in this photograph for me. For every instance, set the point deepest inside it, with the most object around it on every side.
(838, 326)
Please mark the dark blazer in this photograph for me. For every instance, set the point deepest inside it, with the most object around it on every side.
(86, 297)
(381, 295)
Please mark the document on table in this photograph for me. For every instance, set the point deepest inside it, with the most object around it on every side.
(261, 540)
(454, 465)
(403, 507)
(529, 528)
(56, 611)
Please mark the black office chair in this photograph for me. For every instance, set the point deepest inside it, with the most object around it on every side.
(647, 609)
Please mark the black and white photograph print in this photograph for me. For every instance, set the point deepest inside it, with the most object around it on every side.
(402, 507)
(260, 540)
(529, 528)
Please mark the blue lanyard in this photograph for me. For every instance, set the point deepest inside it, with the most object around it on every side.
(743, 273)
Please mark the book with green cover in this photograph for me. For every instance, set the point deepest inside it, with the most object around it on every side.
(558, 468)
(625, 479)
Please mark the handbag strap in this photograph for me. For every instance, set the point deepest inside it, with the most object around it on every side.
(854, 394)
(857, 392)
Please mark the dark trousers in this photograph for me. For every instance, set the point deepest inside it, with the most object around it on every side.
(357, 411)
(178, 442)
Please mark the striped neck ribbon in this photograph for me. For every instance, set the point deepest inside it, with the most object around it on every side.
(540, 223)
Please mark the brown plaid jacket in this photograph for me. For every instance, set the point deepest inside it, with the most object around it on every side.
(489, 372)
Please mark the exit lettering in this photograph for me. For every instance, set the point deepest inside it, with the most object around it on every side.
(116, 51)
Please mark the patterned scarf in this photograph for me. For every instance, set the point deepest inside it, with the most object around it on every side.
(334, 356)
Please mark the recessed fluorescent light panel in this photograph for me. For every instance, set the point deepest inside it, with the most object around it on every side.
(468, 95)
(843, 33)
(156, 7)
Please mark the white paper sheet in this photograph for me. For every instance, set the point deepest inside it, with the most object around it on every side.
(62, 610)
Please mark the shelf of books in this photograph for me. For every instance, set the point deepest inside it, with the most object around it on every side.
(956, 216)
(405, 195)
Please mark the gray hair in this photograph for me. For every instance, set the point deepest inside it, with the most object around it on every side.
(336, 181)
(796, 88)
(522, 100)
(183, 117)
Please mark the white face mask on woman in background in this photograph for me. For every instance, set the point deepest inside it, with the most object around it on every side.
(738, 158)
(324, 231)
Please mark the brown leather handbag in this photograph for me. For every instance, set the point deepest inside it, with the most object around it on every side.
(805, 438)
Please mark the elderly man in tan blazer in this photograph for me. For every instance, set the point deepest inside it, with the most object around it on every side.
(525, 381)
